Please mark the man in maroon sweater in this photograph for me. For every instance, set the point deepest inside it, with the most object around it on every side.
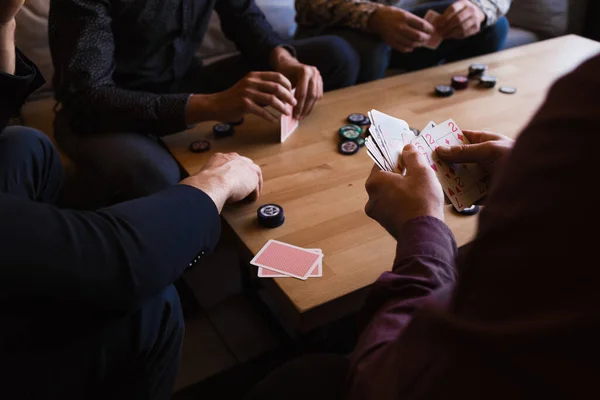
(519, 316)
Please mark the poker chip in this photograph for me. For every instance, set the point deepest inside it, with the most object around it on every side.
(360, 141)
(350, 134)
(223, 130)
(236, 123)
(476, 71)
(507, 90)
(351, 127)
(358, 119)
(487, 81)
(460, 82)
(444, 90)
(270, 215)
(199, 146)
(415, 131)
(474, 209)
(348, 147)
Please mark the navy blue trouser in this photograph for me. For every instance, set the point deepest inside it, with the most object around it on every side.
(376, 56)
(66, 350)
(126, 165)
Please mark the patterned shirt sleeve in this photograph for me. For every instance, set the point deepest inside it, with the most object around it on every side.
(350, 13)
(493, 9)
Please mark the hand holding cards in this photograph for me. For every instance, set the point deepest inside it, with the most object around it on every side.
(464, 184)
(433, 18)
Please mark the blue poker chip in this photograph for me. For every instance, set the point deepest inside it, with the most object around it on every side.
(358, 119)
(270, 215)
(348, 147)
(474, 209)
(223, 130)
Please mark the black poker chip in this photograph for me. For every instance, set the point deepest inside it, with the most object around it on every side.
(358, 119)
(508, 90)
(487, 81)
(476, 71)
(348, 147)
(460, 82)
(199, 146)
(444, 90)
(474, 209)
(223, 130)
(270, 215)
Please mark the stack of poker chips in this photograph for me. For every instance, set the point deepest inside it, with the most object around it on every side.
(351, 135)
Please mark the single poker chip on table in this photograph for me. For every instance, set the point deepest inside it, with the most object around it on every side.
(476, 71)
(348, 147)
(358, 119)
(444, 90)
(270, 215)
(460, 82)
(487, 81)
(223, 130)
(199, 146)
(474, 209)
(507, 90)
(350, 134)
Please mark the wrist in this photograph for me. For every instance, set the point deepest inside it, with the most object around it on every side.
(280, 58)
(214, 186)
(374, 23)
(200, 108)
(7, 35)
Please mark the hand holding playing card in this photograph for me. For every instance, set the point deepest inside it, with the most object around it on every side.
(487, 149)
(396, 198)
(461, 20)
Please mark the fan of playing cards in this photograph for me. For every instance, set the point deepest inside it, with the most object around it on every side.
(464, 184)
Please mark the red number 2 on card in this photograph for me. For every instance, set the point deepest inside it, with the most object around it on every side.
(430, 138)
(451, 125)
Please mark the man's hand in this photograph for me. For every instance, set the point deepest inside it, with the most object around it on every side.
(400, 29)
(395, 199)
(228, 178)
(305, 78)
(8, 10)
(249, 96)
(487, 149)
(461, 20)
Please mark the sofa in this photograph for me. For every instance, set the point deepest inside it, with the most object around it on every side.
(530, 20)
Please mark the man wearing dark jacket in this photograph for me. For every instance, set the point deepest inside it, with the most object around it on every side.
(87, 305)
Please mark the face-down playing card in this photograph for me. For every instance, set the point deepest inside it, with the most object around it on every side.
(287, 259)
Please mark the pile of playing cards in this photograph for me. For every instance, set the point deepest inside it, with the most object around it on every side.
(464, 184)
(282, 260)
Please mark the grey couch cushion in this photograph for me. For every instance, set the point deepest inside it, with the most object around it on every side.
(546, 18)
(518, 37)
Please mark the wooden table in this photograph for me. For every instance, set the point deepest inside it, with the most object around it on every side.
(323, 192)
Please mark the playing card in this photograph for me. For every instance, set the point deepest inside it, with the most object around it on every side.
(287, 259)
(287, 124)
(435, 41)
(393, 132)
(464, 184)
(316, 273)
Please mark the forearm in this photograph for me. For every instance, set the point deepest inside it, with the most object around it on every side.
(424, 263)
(113, 258)
(7, 47)
(343, 13)
(493, 9)
(105, 109)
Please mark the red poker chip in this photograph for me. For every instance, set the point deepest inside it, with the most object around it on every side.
(199, 146)
(460, 82)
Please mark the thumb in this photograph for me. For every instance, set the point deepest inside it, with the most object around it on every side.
(411, 158)
(464, 153)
